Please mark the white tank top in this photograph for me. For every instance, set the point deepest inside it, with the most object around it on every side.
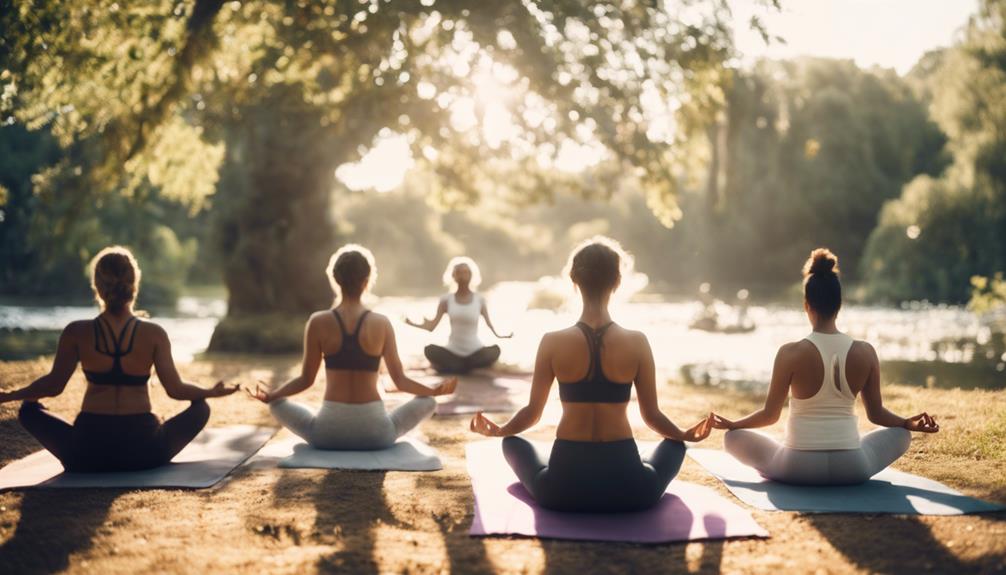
(464, 338)
(827, 420)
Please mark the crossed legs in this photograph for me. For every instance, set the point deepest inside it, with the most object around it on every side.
(879, 449)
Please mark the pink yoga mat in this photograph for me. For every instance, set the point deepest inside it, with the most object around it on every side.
(687, 511)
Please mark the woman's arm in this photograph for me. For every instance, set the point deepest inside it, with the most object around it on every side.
(646, 393)
(54, 382)
(778, 389)
(397, 372)
(874, 403)
(167, 373)
(309, 366)
(431, 324)
(485, 315)
(541, 384)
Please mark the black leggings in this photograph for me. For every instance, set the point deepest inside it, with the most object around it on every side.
(589, 476)
(446, 361)
(98, 442)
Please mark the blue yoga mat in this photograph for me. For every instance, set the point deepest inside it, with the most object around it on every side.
(890, 491)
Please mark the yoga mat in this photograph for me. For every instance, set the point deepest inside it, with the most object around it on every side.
(484, 393)
(408, 454)
(890, 491)
(686, 512)
(203, 463)
(477, 391)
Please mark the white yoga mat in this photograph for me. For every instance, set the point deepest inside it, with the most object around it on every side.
(890, 491)
(203, 463)
(408, 454)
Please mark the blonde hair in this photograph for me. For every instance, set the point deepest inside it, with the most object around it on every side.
(115, 278)
(597, 265)
(349, 267)
(462, 261)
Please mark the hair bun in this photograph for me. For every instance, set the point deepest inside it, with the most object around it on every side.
(821, 261)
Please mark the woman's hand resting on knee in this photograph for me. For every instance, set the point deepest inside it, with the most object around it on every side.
(260, 393)
(484, 426)
(699, 431)
(720, 422)
(922, 422)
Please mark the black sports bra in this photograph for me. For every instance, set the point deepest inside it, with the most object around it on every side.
(114, 376)
(351, 356)
(595, 387)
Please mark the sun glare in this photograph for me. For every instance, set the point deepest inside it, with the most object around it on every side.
(485, 111)
(382, 168)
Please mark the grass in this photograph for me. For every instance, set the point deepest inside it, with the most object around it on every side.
(310, 521)
(26, 344)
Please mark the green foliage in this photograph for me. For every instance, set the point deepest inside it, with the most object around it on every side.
(931, 241)
(941, 232)
(806, 155)
(142, 94)
(41, 254)
(17, 344)
(987, 294)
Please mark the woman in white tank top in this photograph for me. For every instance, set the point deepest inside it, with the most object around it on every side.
(464, 350)
(822, 374)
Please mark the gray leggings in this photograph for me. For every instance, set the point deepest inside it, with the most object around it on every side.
(352, 426)
(594, 476)
(878, 449)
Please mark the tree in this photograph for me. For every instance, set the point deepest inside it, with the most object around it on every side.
(811, 149)
(941, 232)
(294, 89)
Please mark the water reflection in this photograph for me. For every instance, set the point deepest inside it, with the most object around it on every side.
(907, 339)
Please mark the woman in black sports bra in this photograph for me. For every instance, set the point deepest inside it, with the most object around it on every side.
(352, 341)
(594, 465)
(115, 430)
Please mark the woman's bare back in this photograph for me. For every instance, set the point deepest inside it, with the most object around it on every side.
(344, 385)
(570, 358)
(807, 369)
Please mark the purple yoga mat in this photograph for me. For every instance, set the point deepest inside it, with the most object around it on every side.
(687, 511)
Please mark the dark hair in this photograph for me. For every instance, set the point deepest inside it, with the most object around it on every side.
(821, 287)
(596, 265)
(350, 268)
(115, 278)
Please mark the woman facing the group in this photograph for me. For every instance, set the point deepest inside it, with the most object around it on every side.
(463, 307)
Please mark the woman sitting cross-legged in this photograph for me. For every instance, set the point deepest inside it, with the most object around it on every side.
(115, 429)
(594, 465)
(352, 341)
(823, 373)
(464, 350)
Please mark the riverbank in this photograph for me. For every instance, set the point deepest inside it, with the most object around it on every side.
(297, 521)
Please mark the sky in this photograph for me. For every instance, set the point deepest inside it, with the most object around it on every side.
(888, 33)
(885, 33)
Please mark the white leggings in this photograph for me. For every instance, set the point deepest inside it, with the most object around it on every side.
(352, 426)
(878, 449)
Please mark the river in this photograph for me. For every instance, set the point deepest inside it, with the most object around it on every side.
(943, 337)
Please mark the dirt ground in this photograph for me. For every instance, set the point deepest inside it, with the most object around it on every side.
(308, 521)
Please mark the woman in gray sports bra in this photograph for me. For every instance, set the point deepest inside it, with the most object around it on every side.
(594, 464)
(352, 341)
(822, 374)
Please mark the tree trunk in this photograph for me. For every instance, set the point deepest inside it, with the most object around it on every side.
(274, 227)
